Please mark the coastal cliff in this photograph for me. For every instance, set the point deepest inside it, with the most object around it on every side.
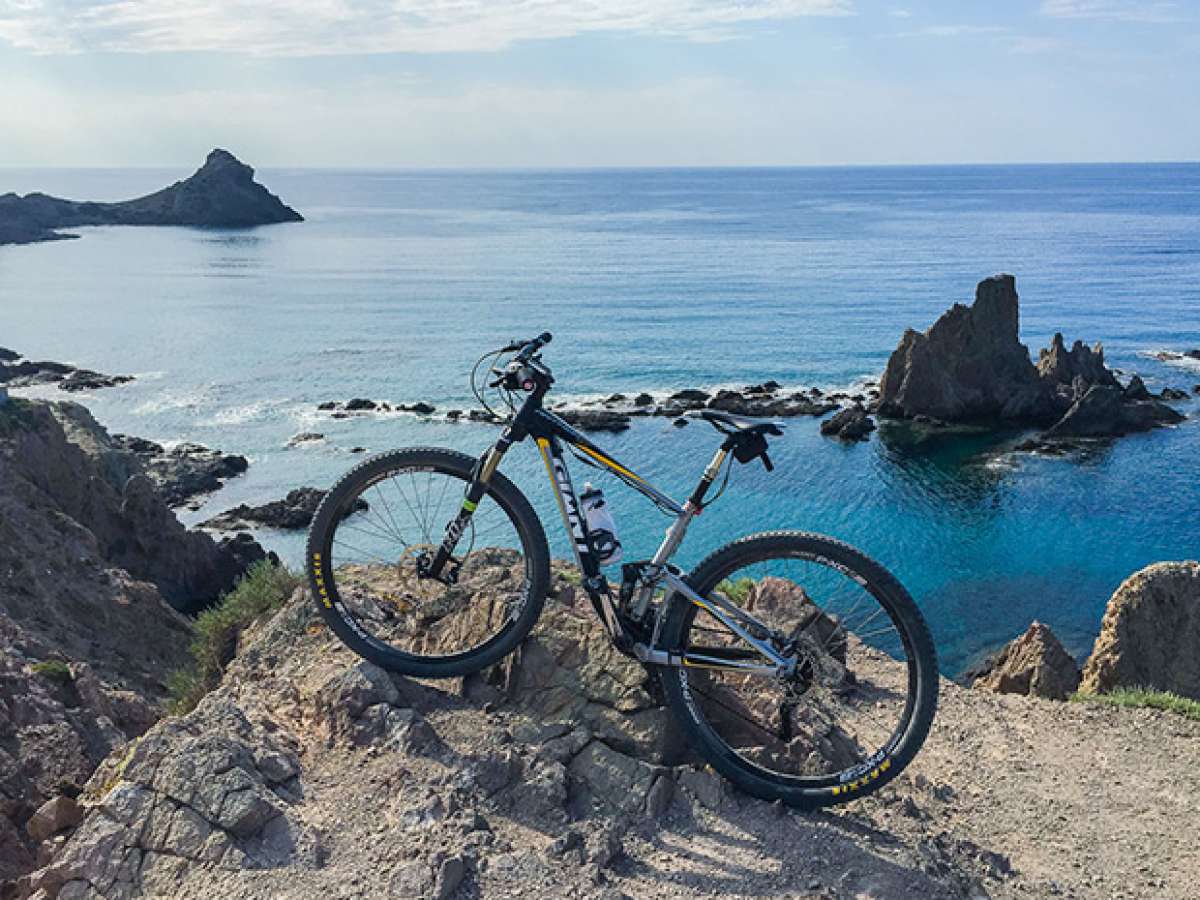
(93, 567)
(221, 194)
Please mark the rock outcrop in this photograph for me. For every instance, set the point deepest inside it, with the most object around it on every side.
(1150, 633)
(1059, 366)
(309, 772)
(91, 564)
(1104, 411)
(59, 470)
(970, 367)
(179, 474)
(1035, 664)
(294, 511)
(221, 194)
(850, 424)
(16, 372)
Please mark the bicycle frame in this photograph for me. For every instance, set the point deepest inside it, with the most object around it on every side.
(549, 431)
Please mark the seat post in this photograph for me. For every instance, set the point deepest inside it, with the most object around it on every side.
(710, 474)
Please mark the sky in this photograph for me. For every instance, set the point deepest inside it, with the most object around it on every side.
(547, 83)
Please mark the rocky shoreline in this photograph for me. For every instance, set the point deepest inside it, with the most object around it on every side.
(969, 370)
(292, 513)
(17, 372)
(220, 194)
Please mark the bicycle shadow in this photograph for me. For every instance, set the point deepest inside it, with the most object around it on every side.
(732, 843)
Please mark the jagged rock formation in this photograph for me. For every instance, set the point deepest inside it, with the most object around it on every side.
(1150, 633)
(970, 366)
(58, 468)
(1035, 664)
(221, 194)
(1059, 366)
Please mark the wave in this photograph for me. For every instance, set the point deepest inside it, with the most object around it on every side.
(1171, 358)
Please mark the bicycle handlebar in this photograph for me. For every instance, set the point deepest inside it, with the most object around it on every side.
(518, 372)
(528, 348)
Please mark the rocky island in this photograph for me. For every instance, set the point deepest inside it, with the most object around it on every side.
(970, 367)
(221, 194)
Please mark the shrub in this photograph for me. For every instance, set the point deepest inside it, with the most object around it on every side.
(263, 589)
(53, 670)
(737, 591)
(1144, 698)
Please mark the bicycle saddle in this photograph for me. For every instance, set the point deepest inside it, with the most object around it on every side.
(733, 425)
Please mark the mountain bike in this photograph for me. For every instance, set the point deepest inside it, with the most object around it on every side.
(799, 668)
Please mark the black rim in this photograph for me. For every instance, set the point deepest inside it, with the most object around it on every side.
(372, 557)
(757, 720)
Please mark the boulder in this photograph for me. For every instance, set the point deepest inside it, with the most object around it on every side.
(1035, 664)
(851, 424)
(969, 366)
(1150, 633)
(53, 816)
(305, 437)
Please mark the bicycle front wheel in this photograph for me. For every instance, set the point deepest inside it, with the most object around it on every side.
(860, 699)
(373, 533)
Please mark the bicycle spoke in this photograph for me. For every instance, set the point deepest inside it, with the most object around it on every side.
(375, 565)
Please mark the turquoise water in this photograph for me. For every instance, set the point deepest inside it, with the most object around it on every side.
(657, 279)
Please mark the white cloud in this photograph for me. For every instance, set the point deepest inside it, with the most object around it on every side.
(1123, 10)
(323, 27)
(900, 14)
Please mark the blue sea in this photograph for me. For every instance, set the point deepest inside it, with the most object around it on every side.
(655, 279)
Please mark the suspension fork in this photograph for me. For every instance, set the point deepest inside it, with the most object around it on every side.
(485, 468)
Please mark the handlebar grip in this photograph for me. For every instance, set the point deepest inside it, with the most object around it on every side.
(535, 345)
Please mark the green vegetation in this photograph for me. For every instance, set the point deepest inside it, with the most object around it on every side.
(263, 589)
(736, 591)
(1144, 698)
(53, 670)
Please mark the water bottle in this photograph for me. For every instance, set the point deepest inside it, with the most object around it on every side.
(601, 527)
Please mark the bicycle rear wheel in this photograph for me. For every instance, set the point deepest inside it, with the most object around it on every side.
(861, 699)
(383, 518)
